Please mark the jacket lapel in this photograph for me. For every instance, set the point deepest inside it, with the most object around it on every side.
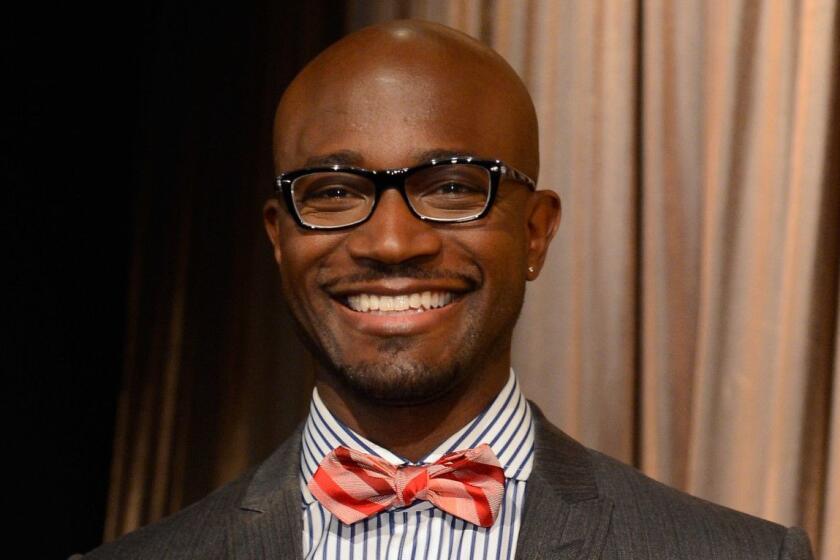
(564, 517)
(272, 508)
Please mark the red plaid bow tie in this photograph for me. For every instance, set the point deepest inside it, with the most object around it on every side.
(353, 485)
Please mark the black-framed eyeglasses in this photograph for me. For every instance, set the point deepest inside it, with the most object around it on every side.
(450, 190)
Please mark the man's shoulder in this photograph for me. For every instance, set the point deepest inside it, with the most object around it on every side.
(227, 522)
(648, 514)
(649, 519)
(197, 530)
(626, 486)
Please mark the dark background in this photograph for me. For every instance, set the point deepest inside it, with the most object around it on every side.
(119, 120)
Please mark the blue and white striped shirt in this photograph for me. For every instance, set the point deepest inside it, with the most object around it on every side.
(421, 531)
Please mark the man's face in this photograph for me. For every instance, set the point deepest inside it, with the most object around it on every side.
(471, 274)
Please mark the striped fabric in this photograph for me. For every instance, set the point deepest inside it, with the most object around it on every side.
(353, 485)
(421, 530)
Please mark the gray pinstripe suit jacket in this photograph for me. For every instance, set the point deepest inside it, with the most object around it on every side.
(579, 504)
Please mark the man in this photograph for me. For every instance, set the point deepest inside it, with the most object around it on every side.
(406, 226)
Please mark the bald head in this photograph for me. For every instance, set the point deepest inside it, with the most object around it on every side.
(390, 94)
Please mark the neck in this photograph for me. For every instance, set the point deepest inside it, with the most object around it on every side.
(414, 430)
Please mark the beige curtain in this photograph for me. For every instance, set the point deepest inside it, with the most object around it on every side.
(686, 321)
(687, 318)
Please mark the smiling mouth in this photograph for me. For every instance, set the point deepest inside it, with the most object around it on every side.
(417, 302)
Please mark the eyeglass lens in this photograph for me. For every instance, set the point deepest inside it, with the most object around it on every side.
(446, 192)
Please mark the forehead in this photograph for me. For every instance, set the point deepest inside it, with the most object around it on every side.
(391, 115)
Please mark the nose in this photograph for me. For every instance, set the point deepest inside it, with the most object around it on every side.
(393, 235)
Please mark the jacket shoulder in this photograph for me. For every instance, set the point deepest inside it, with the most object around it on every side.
(652, 520)
(255, 516)
(197, 531)
(646, 519)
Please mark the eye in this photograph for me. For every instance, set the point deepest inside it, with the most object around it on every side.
(331, 198)
(331, 188)
(452, 188)
(331, 192)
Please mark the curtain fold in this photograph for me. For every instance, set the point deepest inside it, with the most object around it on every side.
(687, 319)
(760, 385)
(829, 514)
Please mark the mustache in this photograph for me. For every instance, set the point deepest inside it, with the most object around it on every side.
(376, 271)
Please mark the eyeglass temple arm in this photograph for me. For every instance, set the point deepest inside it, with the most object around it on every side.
(517, 175)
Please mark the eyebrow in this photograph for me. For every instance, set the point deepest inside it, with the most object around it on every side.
(353, 158)
(342, 157)
(429, 155)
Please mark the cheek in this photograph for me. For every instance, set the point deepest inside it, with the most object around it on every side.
(502, 242)
(302, 255)
(506, 257)
(501, 255)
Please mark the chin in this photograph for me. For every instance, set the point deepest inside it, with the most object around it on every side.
(399, 382)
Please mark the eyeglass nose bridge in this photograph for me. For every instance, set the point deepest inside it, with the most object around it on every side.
(392, 179)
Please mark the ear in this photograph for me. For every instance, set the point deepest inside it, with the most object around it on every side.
(543, 221)
(271, 221)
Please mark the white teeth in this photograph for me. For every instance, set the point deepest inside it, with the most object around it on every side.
(414, 301)
(426, 300)
(420, 300)
(400, 303)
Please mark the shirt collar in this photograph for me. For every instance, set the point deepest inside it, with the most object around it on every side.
(506, 425)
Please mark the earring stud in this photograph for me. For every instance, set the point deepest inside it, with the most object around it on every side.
(531, 269)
